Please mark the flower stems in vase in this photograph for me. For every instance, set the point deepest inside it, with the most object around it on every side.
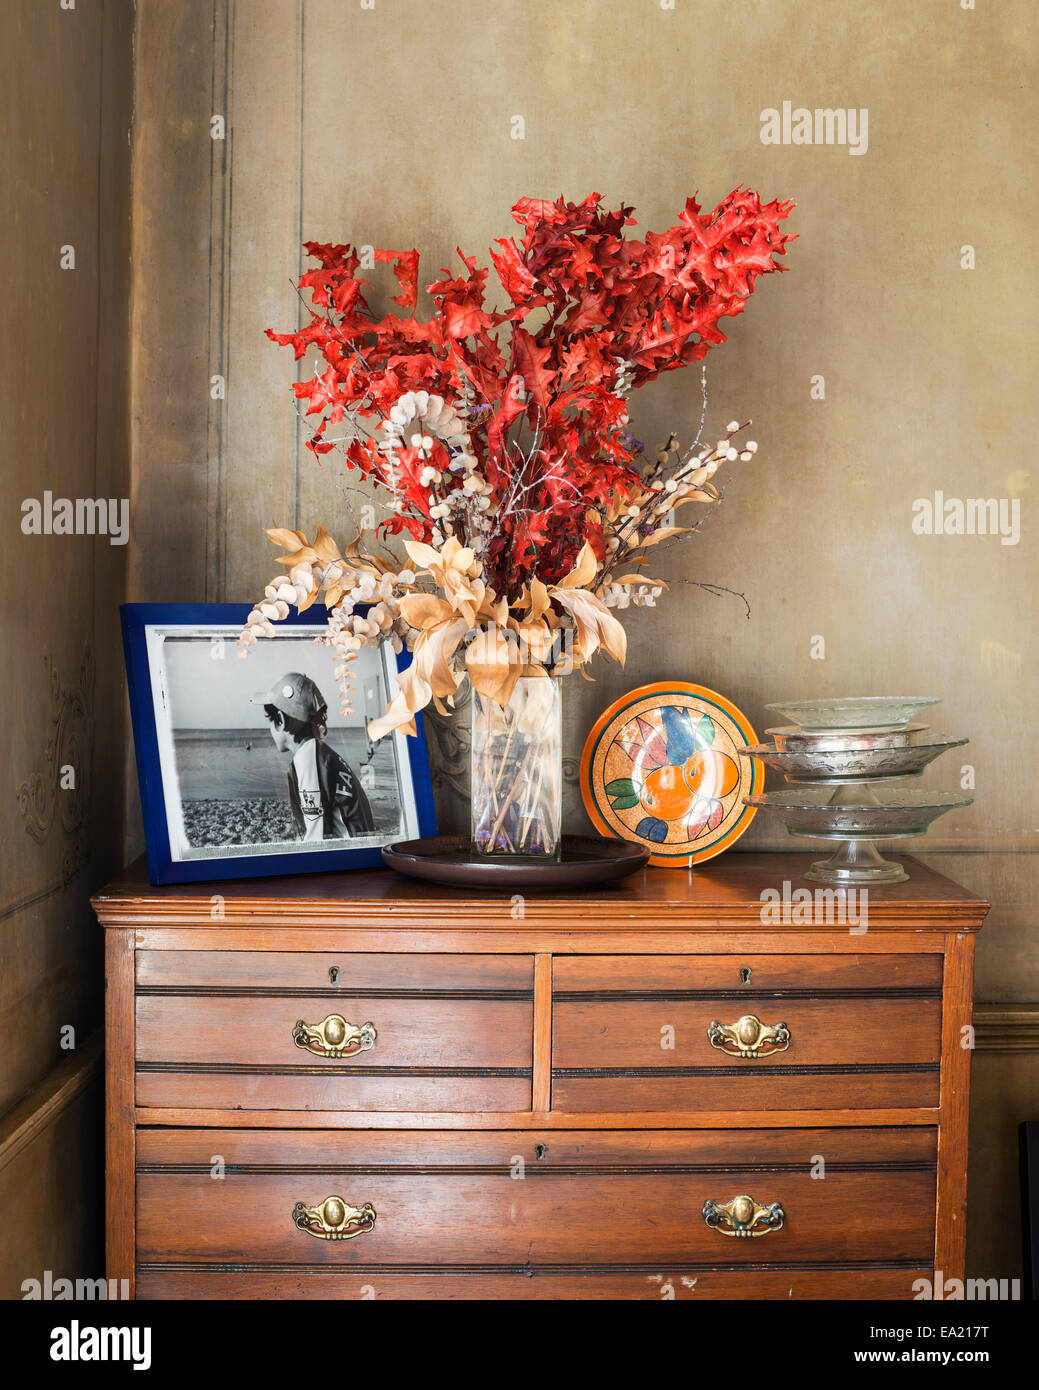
(516, 792)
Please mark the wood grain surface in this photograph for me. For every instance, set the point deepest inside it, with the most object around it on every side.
(341, 972)
(957, 1041)
(674, 1033)
(542, 1217)
(120, 1133)
(583, 1148)
(648, 1092)
(258, 1031)
(719, 895)
(671, 975)
(396, 1091)
(672, 1282)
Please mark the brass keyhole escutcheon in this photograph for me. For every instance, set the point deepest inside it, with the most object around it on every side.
(540, 1150)
(745, 974)
(333, 973)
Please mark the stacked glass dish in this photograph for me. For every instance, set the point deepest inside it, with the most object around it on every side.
(840, 757)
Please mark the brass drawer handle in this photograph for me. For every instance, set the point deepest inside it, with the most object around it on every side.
(743, 1217)
(749, 1038)
(334, 1037)
(334, 1219)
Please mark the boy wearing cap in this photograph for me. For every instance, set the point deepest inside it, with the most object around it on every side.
(327, 799)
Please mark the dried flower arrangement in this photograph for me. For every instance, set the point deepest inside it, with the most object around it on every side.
(499, 440)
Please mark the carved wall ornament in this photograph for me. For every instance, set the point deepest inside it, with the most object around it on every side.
(42, 797)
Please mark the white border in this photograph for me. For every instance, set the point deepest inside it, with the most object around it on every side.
(180, 851)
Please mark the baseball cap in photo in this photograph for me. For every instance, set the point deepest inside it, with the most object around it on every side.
(295, 695)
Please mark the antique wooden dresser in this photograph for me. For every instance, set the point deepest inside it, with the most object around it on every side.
(690, 1085)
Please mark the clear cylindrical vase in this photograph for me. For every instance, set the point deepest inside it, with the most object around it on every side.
(517, 771)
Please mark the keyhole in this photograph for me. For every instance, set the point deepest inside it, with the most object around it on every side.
(540, 1150)
(744, 974)
(333, 973)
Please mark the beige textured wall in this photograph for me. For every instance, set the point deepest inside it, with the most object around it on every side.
(65, 112)
(391, 125)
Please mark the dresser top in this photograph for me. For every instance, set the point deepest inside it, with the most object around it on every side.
(733, 890)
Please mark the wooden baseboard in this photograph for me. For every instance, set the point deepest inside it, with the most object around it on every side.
(1006, 1027)
(26, 1120)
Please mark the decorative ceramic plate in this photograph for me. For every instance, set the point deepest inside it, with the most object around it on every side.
(660, 768)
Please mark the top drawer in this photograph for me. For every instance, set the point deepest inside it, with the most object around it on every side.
(285, 1030)
(723, 1033)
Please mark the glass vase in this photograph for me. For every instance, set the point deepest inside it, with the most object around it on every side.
(517, 771)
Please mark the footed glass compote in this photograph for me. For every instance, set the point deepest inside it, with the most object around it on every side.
(839, 790)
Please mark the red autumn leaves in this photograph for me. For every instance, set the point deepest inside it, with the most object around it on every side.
(584, 300)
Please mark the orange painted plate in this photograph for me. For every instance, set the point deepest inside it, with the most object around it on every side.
(660, 768)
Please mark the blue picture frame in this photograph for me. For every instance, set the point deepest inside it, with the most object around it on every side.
(137, 619)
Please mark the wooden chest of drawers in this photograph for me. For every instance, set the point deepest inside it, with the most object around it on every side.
(354, 1086)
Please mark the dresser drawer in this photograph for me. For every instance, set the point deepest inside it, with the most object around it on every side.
(296, 1031)
(487, 1201)
(804, 1032)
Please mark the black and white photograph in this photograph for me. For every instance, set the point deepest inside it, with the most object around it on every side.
(256, 756)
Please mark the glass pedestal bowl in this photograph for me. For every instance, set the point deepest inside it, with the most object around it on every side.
(857, 817)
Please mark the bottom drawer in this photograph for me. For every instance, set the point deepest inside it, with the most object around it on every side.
(521, 1284)
(500, 1205)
